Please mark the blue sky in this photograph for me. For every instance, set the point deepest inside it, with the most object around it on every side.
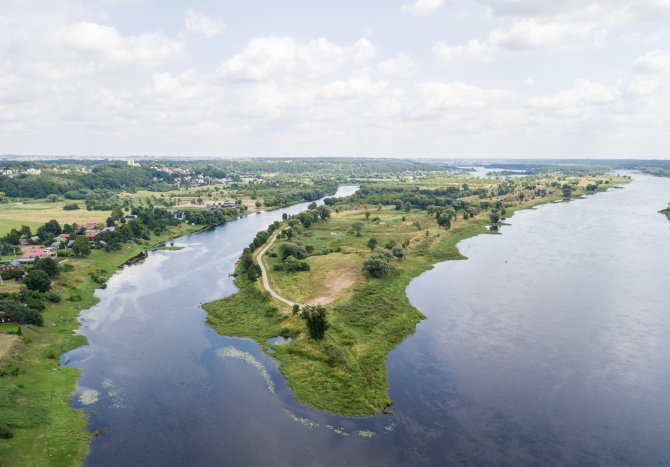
(414, 78)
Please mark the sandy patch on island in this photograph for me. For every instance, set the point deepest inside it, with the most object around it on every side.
(337, 283)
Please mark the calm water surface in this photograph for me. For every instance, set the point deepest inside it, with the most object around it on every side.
(550, 344)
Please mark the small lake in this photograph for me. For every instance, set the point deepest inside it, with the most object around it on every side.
(551, 344)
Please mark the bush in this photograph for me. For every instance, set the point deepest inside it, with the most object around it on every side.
(74, 297)
(71, 207)
(5, 432)
(11, 274)
(52, 297)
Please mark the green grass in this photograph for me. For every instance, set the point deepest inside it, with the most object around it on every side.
(35, 213)
(171, 248)
(345, 373)
(35, 402)
(7, 327)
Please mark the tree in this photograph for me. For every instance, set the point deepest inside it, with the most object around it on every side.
(258, 204)
(367, 215)
(495, 217)
(398, 252)
(110, 221)
(317, 320)
(53, 227)
(81, 245)
(311, 205)
(37, 280)
(296, 308)
(377, 265)
(372, 243)
(324, 212)
(357, 227)
(254, 272)
(49, 266)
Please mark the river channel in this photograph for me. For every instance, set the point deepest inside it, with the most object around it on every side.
(550, 344)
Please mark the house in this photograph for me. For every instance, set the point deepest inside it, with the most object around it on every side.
(69, 244)
(35, 239)
(229, 204)
(87, 226)
(14, 264)
(23, 241)
(130, 217)
(35, 253)
(109, 229)
(64, 236)
(179, 215)
(92, 233)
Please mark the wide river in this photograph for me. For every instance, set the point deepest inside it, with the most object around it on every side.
(550, 344)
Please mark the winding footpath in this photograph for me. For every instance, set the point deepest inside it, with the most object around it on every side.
(266, 282)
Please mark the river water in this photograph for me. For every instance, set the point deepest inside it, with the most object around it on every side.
(551, 344)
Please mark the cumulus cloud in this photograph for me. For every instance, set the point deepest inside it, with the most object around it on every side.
(522, 35)
(605, 12)
(653, 61)
(105, 45)
(281, 57)
(422, 7)
(577, 101)
(460, 95)
(200, 24)
(400, 65)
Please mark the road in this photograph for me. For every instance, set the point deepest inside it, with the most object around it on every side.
(264, 275)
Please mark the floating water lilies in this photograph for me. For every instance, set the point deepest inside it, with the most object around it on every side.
(116, 393)
(339, 431)
(366, 433)
(391, 427)
(306, 422)
(89, 396)
(232, 352)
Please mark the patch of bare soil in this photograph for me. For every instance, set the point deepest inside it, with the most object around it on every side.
(337, 283)
(7, 344)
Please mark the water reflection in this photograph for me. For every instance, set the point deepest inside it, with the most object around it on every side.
(549, 345)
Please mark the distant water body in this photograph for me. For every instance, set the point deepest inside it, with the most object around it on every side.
(551, 344)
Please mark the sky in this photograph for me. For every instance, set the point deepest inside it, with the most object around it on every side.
(290, 78)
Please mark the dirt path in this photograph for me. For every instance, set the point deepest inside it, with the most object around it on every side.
(6, 344)
(266, 282)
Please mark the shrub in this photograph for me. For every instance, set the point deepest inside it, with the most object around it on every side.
(74, 297)
(52, 297)
(5, 432)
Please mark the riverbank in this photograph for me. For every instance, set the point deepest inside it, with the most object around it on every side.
(345, 373)
(34, 402)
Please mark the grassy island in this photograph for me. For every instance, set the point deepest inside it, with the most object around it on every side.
(414, 226)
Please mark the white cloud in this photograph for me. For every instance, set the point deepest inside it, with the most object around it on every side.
(643, 87)
(525, 34)
(604, 12)
(354, 88)
(105, 45)
(578, 101)
(198, 23)
(400, 65)
(440, 95)
(280, 57)
(653, 62)
(422, 7)
(529, 81)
